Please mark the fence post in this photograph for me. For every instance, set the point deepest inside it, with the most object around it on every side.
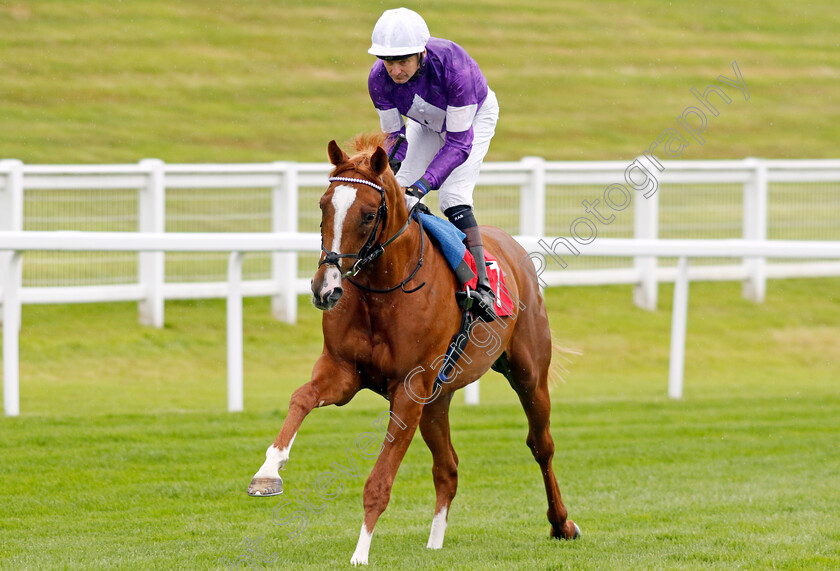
(234, 333)
(532, 198)
(11, 336)
(284, 265)
(11, 214)
(754, 286)
(679, 323)
(646, 226)
(472, 393)
(152, 218)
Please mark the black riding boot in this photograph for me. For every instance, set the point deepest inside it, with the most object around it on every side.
(483, 298)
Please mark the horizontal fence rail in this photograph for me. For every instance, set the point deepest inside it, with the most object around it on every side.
(751, 199)
(236, 245)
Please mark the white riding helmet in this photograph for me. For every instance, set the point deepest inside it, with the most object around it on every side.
(399, 32)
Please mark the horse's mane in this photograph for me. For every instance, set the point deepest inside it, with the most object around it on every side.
(365, 144)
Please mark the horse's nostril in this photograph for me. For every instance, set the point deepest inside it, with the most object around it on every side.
(336, 293)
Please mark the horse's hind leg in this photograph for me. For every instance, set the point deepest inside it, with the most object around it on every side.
(527, 373)
(434, 426)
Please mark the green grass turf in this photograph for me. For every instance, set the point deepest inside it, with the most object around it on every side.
(124, 457)
(93, 81)
(716, 483)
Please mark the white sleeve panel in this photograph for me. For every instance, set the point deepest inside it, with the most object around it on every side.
(390, 120)
(460, 119)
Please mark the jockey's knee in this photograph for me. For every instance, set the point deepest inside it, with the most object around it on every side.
(461, 216)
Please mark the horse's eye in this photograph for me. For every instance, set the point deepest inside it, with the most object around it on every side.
(368, 218)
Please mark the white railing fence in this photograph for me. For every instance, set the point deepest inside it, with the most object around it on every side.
(237, 244)
(138, 233)
(750, 199)
(145, 243)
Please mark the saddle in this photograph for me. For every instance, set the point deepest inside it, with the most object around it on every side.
(449, 240)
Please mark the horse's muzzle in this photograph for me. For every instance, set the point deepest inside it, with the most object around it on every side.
(327, 290)
(328, 300)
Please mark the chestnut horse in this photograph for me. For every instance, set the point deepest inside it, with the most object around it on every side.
(390, 313)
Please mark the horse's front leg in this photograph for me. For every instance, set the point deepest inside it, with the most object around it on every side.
(405, 416)
(330, 384)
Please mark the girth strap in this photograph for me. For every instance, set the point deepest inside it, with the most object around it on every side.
(447, 371)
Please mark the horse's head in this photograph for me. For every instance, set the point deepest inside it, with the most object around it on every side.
(359, 205)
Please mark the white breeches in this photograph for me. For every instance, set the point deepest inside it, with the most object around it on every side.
(424, 143)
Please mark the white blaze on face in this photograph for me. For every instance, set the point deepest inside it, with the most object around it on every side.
(343, 198)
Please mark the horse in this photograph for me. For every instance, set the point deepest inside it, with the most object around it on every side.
(390, 313)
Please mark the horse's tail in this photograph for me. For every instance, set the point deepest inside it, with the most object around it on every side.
(560, 358)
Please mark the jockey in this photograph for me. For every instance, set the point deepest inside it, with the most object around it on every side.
(453, 115)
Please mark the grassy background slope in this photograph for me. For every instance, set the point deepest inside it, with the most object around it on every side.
(242, 81)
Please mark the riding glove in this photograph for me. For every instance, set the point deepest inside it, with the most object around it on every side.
(421, 188)
(415, 192)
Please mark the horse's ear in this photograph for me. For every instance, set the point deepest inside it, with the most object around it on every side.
(337, 156)
(379, 161)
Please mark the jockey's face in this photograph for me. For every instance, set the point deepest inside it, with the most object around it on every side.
(403, 69)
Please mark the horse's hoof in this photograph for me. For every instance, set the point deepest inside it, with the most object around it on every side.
(560, 535)
(264, 487)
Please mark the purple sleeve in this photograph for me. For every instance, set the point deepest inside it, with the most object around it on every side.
(454, 152)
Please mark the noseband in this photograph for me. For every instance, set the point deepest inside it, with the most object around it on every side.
(370, 250)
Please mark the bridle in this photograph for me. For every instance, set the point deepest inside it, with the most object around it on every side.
(371, 249)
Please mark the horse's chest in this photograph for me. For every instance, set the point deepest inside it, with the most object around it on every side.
(387, 349)
(382, 356)
(380, 366)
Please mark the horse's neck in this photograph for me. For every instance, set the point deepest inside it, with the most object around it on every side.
(400, 256)
(398, 260)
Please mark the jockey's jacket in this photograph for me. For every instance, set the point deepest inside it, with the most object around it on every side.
(444, 95)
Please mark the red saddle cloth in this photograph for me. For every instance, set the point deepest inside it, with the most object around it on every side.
(503, 304)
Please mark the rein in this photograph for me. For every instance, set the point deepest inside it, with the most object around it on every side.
(370, 251)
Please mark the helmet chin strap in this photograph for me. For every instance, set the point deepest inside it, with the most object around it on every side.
(421, 62)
